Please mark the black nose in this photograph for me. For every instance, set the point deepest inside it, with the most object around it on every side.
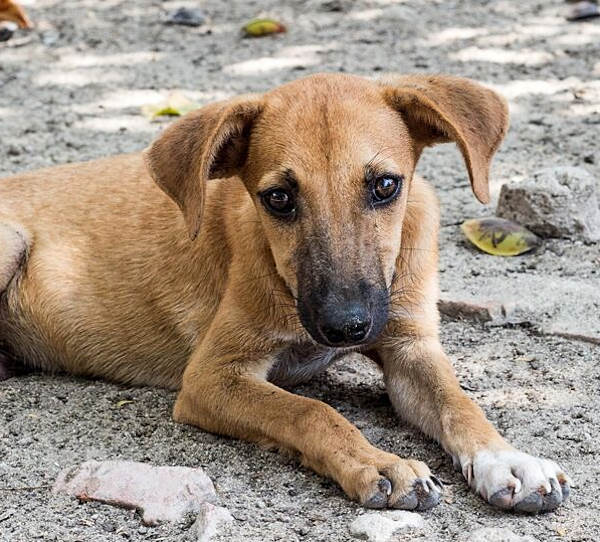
(345, 325)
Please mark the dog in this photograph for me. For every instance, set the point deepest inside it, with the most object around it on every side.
(12, 12)
(256, 241)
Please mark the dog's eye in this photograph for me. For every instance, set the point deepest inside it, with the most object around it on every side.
(385, 188)
(279, 202)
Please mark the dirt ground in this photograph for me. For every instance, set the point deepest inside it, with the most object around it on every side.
(72, 90)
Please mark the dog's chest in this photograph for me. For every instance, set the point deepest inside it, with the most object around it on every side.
(300, 362)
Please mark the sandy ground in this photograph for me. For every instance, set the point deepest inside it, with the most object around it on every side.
(71, 90)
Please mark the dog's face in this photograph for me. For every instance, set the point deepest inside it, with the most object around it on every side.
(330, 178)
(329, 161)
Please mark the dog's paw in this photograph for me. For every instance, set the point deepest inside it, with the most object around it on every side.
(513, 480)
(404, 484)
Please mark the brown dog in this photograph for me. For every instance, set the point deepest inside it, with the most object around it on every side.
(11, 11)
(293, 233)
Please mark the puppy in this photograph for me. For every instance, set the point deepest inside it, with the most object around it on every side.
(11, 11)
(253, 243)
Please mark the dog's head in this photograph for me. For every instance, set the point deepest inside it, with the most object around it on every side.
(328, 161)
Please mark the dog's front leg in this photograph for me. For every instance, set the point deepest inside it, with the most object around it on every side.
(226, 392)
(425, 391)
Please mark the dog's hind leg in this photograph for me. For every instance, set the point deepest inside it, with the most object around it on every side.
(14, 246)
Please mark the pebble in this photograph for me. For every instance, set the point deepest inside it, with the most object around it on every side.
(160, 493)
(480, 311)
(210, 519)
(558, 202)
(582, 11)
(380, 526)
(187, 17)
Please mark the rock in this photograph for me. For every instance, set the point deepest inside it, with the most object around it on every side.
(160, 493)
(487, 311)
(187, 17)
(497, 534)
(210, 518)
(380, 526)
(555, 202)
(582, 11)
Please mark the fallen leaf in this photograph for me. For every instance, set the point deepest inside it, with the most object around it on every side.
(176, 104)
(263, 27)
(123, 402)
(499, 237)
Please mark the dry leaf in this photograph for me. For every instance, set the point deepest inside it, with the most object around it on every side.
(499, 237)
(175, 105)
(123, 402)
(263, 27)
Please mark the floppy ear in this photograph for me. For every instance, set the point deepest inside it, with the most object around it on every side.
(209, 143)
(440, 108)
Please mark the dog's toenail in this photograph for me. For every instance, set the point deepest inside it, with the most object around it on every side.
(437, 482)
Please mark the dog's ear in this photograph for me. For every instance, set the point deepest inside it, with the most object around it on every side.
(439, 109)
(209, 143)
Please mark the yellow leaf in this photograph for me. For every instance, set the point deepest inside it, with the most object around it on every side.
(499, 237)
(176, 104)
(123, 402)
(263, 27)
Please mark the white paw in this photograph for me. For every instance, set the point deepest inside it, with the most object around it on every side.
(510, 479)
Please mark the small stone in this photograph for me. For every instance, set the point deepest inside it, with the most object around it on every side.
(109, 527)
(210, 519)
(187, 17)
(556, 202)
(379, 527)
(475, 312)
(582, 11)
(160, 493)
(333, 6)
(497, 534)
